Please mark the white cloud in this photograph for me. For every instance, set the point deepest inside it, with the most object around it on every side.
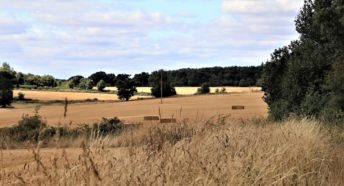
(11, 25)
(261, 6)
(68, 37)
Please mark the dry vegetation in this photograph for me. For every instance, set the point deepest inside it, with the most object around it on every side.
(219, 151)
(193, 90)
(50, 95)
(134, 111)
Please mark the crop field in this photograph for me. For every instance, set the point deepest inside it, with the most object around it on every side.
(193, 90)
(50, 95)
(210, 137)
(134, 111)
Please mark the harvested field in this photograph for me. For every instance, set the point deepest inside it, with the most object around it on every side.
(50, 95)
(202, 106)
(193, 90)
(47, 95)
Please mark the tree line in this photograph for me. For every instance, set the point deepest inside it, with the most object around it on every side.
(306, 78)
(126, 85)
(215, 76)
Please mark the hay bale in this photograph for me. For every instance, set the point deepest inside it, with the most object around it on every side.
(168, 120)
(238, 107)
(151, 118)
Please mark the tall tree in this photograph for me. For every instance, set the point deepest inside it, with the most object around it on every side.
(305, 77)
(141, 79)
(161, 77)
(96, 77)
(7, 79)
(126, 89)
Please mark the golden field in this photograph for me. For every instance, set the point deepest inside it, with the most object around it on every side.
(202, 106)
(193, 90)
(218, 151)
(210, 144)
(50, 95)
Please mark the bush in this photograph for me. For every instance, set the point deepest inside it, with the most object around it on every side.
(21, 96)
(27, 129)
(205, 89)
(108, 126)
(31, 129)
(85, 83)
(101, 85)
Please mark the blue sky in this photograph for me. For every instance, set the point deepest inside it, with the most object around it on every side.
(69, 37)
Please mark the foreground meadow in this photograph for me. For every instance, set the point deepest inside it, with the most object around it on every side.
(217, 151)
(134, 111)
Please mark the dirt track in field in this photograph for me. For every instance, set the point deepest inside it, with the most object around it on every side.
(203, 106)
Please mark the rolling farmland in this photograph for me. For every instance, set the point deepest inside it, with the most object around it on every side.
(133, 111)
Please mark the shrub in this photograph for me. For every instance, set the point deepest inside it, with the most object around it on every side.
(205, 89)
(27, 129)
(85, 83)
(21, 96)
(101, 85)
(31, 129)
(108, 126)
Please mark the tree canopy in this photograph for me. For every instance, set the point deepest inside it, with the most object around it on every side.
(126, 88)
(7, 80)
(305, 77)
(155, 82)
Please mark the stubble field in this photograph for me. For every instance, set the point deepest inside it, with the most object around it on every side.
(202, 106)
(203, 150)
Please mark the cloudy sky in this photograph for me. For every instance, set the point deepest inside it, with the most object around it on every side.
(69, 37)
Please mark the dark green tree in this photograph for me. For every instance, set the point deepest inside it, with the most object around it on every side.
(155, 81)
(20, 78)
(74, 81)
(305, 78)
(111, 78)
(7, 80)
(141, 79)
(126, 89)
(121, 77)
(96, 77)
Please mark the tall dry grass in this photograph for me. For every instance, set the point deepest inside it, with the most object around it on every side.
(219, 151)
